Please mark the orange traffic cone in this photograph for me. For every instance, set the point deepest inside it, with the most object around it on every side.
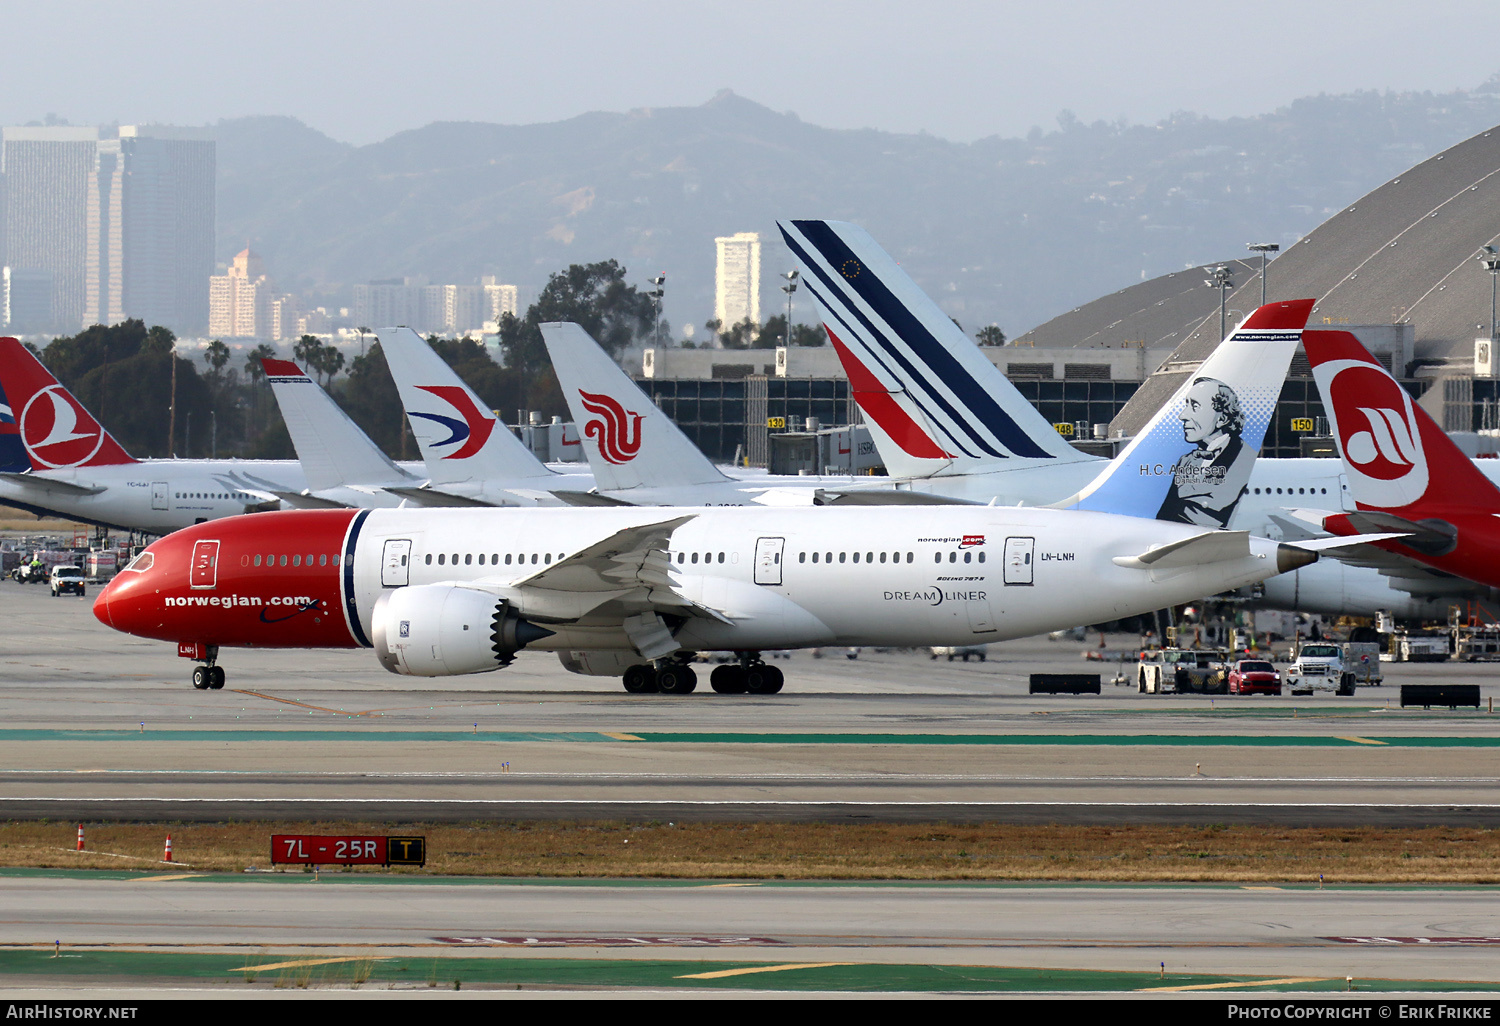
(168, 856)
(80, 837)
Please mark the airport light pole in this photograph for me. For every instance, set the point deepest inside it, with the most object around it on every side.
(1489, 256)
(656, 297)
(1263, 248)
(790, 287)
(1220, 278)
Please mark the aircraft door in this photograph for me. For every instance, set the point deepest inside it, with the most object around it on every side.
(768, 560)
(204, 572)
(159, 495)
(394, 560)
(1019, 553)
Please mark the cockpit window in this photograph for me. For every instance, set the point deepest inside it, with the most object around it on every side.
(140, 564)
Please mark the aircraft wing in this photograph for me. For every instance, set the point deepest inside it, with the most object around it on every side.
(1303, 528)
(35, 482)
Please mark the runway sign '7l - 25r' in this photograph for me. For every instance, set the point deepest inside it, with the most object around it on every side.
(325, 850)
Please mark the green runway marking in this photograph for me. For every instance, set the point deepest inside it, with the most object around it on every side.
(646, 737)
(236, 973)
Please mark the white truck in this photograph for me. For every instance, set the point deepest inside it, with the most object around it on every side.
(1334, 666)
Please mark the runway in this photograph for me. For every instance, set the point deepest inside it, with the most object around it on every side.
(1386, 933)
(100, 725)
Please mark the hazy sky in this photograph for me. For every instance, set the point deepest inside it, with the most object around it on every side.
(361, 71)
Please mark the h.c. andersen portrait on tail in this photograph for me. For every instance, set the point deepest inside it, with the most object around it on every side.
(1208, 480)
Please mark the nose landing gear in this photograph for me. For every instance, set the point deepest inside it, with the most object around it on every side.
(209, 676)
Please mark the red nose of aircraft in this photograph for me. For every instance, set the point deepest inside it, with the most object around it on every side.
(132, 601)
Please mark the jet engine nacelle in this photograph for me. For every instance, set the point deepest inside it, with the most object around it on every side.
(438, 630)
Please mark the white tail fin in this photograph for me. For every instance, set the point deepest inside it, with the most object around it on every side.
(934, 402)
(460, 438)
(331, 447)
(629, 441)
(1191, 462)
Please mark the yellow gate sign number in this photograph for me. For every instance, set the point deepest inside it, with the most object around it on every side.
(776, 423)
(1302, 424)
(1064, 429)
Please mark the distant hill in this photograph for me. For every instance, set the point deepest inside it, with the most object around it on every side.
(1007, 231)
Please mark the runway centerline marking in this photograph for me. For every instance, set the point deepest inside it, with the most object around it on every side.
(293, 701)
(303, 962)
(763, 969)
(1249, 983)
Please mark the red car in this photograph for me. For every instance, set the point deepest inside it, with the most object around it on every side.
(1254, 677)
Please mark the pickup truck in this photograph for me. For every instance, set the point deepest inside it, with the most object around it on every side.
(1334, 666)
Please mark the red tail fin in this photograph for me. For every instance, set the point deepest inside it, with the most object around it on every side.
(1397, 459)
(57, 432)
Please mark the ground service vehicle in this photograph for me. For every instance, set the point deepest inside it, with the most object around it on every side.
(1182, 671)
(67, 580)
(29, 573)
(960, 652)
(1254, 677)
(1334, 666)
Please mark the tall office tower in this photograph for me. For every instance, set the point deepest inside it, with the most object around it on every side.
(388, 302)
(737, 279)
(167, 224)
(47, 182)
(124, 222)
(239, 303)
(499, 299)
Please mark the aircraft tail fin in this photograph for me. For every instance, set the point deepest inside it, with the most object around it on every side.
(934, 402)
(1396, 458)
(628, 440)
(331, 447)
(460, 437)
(1191, 461)
(42, 426)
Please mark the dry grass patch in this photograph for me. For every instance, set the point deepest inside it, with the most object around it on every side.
(816, 851)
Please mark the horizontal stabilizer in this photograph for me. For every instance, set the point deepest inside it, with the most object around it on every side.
(1345, 541)
(47, 484)
(434, 497)
(302, 500)
(590, 499)
(1208, 547)
(886, 497)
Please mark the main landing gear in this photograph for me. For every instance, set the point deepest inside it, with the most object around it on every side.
(672, 677)
(209, 676)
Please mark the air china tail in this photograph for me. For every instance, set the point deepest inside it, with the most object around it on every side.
(1191, 462)
(52, 428)
(628, 440)
(933, 401)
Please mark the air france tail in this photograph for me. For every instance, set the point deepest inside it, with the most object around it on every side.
(934, 403)
(1191, 462)
(334, 452)
(629, 441)
(42, 427)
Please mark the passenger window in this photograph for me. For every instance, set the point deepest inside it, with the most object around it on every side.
(937, 557)
(981, 557)
(323, 560)
(968, 557)
(841, 556)
(815, 557)
(882, 557)
(533, 559)
(856, 557)
(802, 557)
(953, 557)
(548, 560)
(429, 559)
(468, 559)
(910, 556)
(721, 557)
(257, 559)
(442, 559)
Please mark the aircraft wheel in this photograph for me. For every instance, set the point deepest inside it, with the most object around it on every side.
(676, 680)
(640, 679)
(764, 680)
(216, 678)
(729, 679)
(200, 678)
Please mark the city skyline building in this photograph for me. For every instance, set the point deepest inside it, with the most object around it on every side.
(737, 279)
(240, 301)
(122, 219)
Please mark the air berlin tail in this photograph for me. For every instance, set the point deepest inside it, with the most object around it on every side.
(54, 428)
(1397, 459)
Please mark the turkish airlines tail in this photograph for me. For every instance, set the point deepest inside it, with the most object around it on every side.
(1397, 459)
(628, 440)
(42, 427)
(1191, 462)
(331, 447)
(460, 438)
(933, 402)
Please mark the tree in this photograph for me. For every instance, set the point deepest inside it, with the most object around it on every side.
(991, 335)
(254, 369)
